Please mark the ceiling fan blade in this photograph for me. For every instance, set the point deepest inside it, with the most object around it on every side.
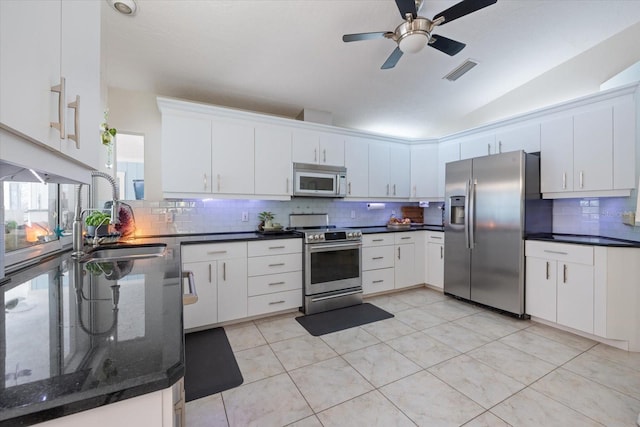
(364, 36)
(463, 8)
(392, 60)
(407, 6)
(443, 44)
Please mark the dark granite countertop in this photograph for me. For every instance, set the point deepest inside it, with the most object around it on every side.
(584, 240)
(76, 336)
(385, 229)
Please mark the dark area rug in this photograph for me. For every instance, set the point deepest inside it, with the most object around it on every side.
(342, 318)
(211, 366)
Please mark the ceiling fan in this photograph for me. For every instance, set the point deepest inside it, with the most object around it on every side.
(413, 34)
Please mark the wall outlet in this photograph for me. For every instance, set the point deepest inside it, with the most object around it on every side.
(353, 214)
(169, 253)
(168, 217)
(393, 212)
(245, 216)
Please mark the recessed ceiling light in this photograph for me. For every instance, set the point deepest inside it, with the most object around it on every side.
(126, 7)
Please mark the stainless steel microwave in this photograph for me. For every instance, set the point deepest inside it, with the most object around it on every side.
(319, 180)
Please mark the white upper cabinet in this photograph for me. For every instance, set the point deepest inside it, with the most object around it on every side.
(389, 170)
(556, 158)
(378, 170)
(316, 147)
(43, 42)
(593, 150)
(400, 170)
(526, 138)
(447, 152)
(273, 169)
(356, 153)
(624, 144)
(186, 154)
(424, 171)
(232, 152)
(478, 146)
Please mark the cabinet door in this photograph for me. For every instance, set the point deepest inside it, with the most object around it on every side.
(400, 170)
(29, 67)
(556, 155)
(447, 152)
(232, 289)
(525, 138)
(232, 151)
(541, 288)
(305, 146)
(424, 171)
(575, 296)
(205, 311)
(593, 150)
(80, 66)
(380, 280)
(478, 146)
(435, 264)
(356, 160)
(273, 172)
(405, 265)
(624, 145)
(378, 170)
(331, 149)
(186, 154)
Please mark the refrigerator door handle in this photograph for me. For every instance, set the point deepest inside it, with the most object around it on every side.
(472, 213)
(467, 218)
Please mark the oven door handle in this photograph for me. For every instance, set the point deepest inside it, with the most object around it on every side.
(333, 246)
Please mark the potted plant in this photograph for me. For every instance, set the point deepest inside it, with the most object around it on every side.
(266, 219)
(98, 223)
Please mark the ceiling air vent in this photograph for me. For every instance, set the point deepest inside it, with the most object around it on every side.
(461, 70)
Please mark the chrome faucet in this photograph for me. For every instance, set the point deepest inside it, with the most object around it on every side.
(78, 242)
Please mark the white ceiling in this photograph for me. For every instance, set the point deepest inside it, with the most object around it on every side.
(278, 57)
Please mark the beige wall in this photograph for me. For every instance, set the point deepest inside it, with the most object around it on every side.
(137, 112)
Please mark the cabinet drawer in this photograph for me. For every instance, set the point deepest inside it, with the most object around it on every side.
(262, 304)
(274, 264)
(377, 257)
(378, 239)
(435, 237)
(275, 247)
(377, 280)
(213, 251)
(271, 283)
(406, 237)
(579, 254)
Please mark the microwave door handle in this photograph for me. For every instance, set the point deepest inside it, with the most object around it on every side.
(337, 184)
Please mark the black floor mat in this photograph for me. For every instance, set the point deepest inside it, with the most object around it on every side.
(342, 318)
(211, 366)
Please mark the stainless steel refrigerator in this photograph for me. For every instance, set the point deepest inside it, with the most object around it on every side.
(490, 203)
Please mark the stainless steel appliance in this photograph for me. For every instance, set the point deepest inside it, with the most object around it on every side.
(490, 203)
(319, 180)
(332, 264)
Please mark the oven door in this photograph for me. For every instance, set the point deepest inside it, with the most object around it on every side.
(332, 266)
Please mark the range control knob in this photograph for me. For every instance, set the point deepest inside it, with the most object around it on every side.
(321, 236)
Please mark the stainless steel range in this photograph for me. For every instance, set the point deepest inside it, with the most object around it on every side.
(332, 264)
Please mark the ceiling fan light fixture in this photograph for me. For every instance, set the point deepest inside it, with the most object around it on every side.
(413, 42)
(125, 7)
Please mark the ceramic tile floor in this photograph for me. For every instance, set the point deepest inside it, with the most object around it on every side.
(438, 362)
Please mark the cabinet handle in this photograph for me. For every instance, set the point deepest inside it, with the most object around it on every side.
(279, 264)
(405, 238)
(581, 179)
(564, 180)
(224, 271)
(499, 146)
(349, 187)
(216, 252)
(441, 252)
(315, 154)
(394, 189)
(277, 302)
(324, 155)
(287, 186)
(76, 121)
(377, 281)
(378, 257)
(398, 252)
(488, 149)
(276, 247)
(415, 191)
(276, 283)
(547, 274)
(378, 240)
(555, 252)
(204, 181)
(219, 182)
(209, 273)
(436, 237)
(387, 189)
(60, 89)
(564, 273)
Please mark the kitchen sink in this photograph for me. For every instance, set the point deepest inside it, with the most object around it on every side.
(125, 251)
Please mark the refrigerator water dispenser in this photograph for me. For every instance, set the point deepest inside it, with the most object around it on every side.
(457, 210)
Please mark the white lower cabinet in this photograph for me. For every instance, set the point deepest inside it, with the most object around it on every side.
(405, 265)
(275, 276)
(377, 263)
(435, 259)
(560, 284)
(220, 273)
